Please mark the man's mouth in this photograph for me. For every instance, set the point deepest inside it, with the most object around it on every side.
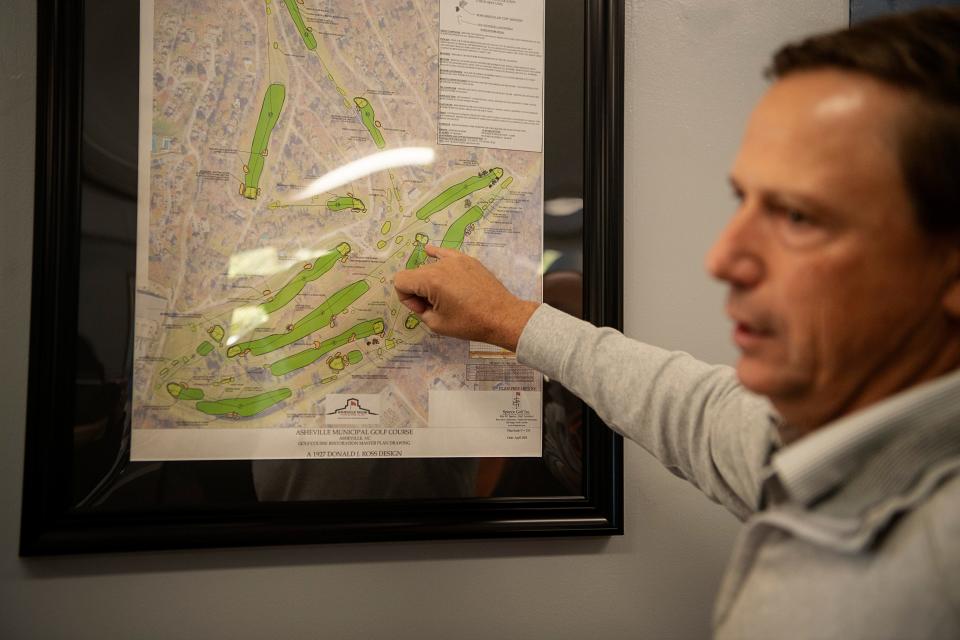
(747, 336)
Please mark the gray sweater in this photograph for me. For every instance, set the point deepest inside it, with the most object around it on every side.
(851, 532)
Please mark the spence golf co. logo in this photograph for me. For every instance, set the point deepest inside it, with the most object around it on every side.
(353, 409)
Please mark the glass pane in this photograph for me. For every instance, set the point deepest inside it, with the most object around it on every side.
(103, 476)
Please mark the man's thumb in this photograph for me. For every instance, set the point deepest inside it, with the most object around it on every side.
(431, 318)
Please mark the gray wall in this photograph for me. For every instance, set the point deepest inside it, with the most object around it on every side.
(693, 69)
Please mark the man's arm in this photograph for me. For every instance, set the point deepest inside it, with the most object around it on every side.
(694, 417)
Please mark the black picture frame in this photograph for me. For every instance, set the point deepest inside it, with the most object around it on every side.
(50, 524)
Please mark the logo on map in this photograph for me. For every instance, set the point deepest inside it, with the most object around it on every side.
(356, 409)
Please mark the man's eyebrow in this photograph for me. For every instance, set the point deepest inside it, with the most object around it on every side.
(784, 199)
(789, 200)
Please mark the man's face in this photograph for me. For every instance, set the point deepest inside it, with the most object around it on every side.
(834, 290)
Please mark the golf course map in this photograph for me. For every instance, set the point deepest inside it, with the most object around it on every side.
(286, 186)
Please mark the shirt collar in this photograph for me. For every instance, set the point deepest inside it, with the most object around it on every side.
(913, 429)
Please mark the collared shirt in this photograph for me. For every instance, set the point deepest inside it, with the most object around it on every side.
(885, 448)
(850, 532)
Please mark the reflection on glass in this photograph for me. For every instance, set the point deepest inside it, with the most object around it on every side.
(562, 206)
(242, 323)
(403, 157)
(258, 262)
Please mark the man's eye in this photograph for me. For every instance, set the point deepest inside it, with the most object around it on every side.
(799, 229)
(795, 217)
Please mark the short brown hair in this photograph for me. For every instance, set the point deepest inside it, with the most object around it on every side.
(918, 52)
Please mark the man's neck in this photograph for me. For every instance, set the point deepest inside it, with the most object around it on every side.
(800, 418)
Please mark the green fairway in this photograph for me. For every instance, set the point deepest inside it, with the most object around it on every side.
(204, 348)
(302, 359)
(183, 392)
(458, 192)
(244, 407)
(453, 238)
(309, 273)
(419, 256)
(369, 120)
(305, 32)
(269, 115)
(340, 361)
(346, 202)
(313, 321)
(412, 321)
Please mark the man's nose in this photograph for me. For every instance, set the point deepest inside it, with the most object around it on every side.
(735, 256)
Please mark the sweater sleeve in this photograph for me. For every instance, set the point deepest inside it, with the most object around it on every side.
(694, 417)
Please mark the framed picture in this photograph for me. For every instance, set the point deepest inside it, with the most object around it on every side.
(861, 10)
(217, 356)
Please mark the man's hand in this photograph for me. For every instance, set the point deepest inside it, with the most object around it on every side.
(456, 296)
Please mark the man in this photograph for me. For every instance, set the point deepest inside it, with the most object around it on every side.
(837, 436)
